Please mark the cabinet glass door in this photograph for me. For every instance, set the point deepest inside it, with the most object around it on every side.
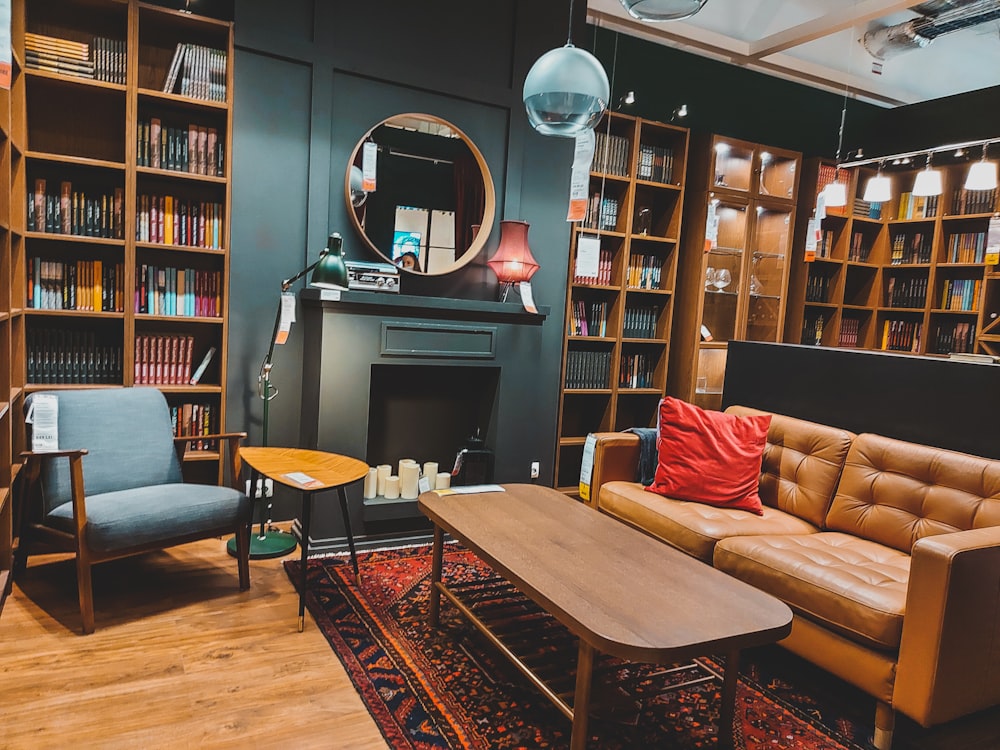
(768, 268)
(732, 165)
(777, 174)
(726, 239)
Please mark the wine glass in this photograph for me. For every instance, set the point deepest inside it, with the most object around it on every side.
(709, 277)
(722, 279)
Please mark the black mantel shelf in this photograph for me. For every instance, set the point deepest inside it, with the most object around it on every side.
(408, 304)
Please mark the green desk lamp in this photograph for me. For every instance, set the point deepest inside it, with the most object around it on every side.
(329, 272)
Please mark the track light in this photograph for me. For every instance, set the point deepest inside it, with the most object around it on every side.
(982, 174)
(928, 182)
(878, 189)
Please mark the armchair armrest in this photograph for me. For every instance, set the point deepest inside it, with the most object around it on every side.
(948, 662)
(616, 456)
(232, 454)
(32, 468)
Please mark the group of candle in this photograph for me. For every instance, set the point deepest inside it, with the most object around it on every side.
(381, 482)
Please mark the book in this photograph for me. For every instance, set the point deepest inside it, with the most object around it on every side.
(175, 65)
(196, 376)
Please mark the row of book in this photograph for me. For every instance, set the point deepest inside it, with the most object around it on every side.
(588, 369)
(656, 164)
(171, 220)
(960, 294)
(817, 288)
(184, 292)
(901, 335)
(967, 247)
(166, 360)
(644, 272)
(911, 247)
(198, 72)
(917, 206)
(195, 149)
(193, 419)
(75, 285)
(850, 331)
(906, 291)
(82, 213)
(812, 330)
(58, 356)
(867, 210)
(636, 370)
(824, 243)
(954, 338)
(640, 321)
(589, 318)
(860, 249)
(603, 271)
(612, 154)
(602, 213)
(974, 201)
(102, 59)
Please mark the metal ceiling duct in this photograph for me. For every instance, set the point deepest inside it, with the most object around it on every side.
(939, 17)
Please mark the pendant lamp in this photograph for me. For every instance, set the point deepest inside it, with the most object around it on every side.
(928, 182)
(566, 91)
(662, 10)
(982, 174)
(878, 189)
(513, 261)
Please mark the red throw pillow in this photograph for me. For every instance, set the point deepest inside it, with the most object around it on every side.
(709, 456)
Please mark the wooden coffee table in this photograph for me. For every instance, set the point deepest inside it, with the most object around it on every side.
(619, 591)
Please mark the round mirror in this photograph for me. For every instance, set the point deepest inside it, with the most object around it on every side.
(420, 194)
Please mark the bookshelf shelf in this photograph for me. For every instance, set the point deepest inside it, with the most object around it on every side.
(76, 160)
(184, 101)
(172, 174)
(39, 313)
(74, 238)
(58, 78)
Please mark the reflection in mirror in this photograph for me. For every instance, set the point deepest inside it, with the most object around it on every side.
(418, 191)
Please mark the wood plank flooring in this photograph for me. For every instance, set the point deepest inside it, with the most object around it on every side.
(180, 658)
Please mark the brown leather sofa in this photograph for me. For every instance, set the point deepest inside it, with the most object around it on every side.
(887, 552)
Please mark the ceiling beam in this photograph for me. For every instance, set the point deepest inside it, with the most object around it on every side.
(831, 23)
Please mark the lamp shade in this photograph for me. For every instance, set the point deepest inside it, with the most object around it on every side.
(513, 261)
(331, 271)
(878, 189)
(928, 182)
(566, 92)
(982, 176)
(662, 10)
(835, 194)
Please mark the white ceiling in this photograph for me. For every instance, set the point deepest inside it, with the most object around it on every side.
(817, 42)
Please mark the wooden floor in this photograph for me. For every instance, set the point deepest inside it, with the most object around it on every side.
(181, 658)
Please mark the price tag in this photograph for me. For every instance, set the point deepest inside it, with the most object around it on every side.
(812, 240)
(527, 299)
(712, 226)
(286, 318)
(587, 466)
(580, 177)
(588, 257)
(369, 168)
(993, 242)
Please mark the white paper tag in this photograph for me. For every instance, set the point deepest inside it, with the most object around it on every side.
(587, 466)
(993, 242)
(470, 489)
(712, 226)
(424, 484)
(369, 168)
(286, 318)
(303, 480)
(821, 205)
(43, 416)
(329, 295)
(527, 299)
(812, 238)
(588, 257)
(579, 182)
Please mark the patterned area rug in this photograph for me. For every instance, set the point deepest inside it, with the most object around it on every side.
(450, 688)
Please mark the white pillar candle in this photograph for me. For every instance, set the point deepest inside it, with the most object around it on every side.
(371, 483)
(443, 481)
(392, 487)
(383, 472)
(409, 476)
(431, 471)
(403, 462)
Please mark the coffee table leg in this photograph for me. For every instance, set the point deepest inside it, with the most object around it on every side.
(347, 527)
(727, 713)
(304, 558)
(436, 561)
(581, 698)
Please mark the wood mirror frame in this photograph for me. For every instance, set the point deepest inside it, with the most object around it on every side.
(480, 229)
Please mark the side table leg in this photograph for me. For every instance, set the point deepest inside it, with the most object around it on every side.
(727, 712)
(436, 559)
(304, 557)
(342, 491)
(581, 698)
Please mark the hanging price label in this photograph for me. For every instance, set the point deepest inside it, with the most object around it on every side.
(993, 242)
(369, 168)
(580, 176)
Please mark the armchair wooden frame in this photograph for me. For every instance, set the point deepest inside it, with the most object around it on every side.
(35, 532)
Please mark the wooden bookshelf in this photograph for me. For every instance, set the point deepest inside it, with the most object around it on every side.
(145, 257)
(739, 221)
(617, 341)
(909, 276)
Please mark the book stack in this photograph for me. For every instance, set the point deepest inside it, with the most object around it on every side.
(967, 247)
(56, 55)
(195, 149)
(974, 201)
(603, 271)
(644, 272)
(961, 294)
(640, 322)
(860, 248)
(82, 213)
(906, 292)
(75, 285)
(58, 356)
(611, 154)
(867, 210)
(192, 419)
(589, 319)
(656, 164)
(588, 369)
(182, 292)
(602, 213)
(163, 360)
(952, 338)
(817, 287)
(917, 206)
(636, 371)
(912, 247)
(901, 335)
(170, 220)
(197, 72)
(849, 330)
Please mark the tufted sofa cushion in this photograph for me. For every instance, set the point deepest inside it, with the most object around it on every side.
(895, 493)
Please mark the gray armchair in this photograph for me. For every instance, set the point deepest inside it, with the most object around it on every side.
(114, 488)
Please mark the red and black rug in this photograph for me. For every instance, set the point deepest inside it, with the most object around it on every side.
(433, 688)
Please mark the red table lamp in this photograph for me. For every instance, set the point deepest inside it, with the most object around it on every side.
(513, 261)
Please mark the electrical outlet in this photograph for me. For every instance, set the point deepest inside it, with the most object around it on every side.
(535, 468)
(265, 488)
(268, 488)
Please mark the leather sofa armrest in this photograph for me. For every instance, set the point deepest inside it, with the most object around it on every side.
(948, 662)
(616, 456)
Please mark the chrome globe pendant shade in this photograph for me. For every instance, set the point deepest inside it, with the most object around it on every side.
(566, 91)
(662, 10)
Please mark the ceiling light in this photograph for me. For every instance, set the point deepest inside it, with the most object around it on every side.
(927, 182)
(566, 91)
(835, 193)
(662, 10)
(878, 189)
(982, 174)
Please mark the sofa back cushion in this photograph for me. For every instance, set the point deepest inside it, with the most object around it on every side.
(801, 465)
(895, 493)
